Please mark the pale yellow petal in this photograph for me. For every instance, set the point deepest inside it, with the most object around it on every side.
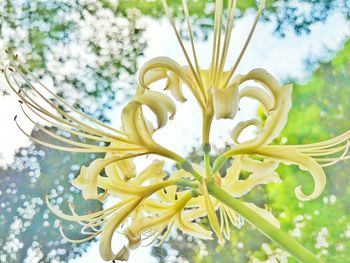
(225, 102)
(154, 170)
(174, 85)
(277, 119)
(191, 228)
(87, 179)
(241, 187)
(291, 156)
(258, 94)
(213, 219)
(241, 126)
(256, 166)
(111, 226)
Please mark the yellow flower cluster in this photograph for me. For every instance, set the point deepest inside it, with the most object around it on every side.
(149, 204)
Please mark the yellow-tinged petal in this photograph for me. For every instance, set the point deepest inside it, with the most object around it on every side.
(277, 119)
(110, 227)
(154, 75)
(136, 126)
(225, 102)
(232, 173)
(241, 187)
(120, 171)
(258, 94)
(160, 104)
(256, 166)
(213, 219)
(176, 74)
(154, 170)
(262, 172)
(266, 79)
(87, 179)
(191, 228)
(123, 254)
(288, 155)
(174, 85)
(241, 126)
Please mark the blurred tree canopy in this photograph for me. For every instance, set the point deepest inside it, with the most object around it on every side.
(88, 51)
(78, 46)
(320, 111)
(29, 231)
(297, 16)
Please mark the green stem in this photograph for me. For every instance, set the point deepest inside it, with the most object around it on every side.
(206, 150)
(186, 184)
(218, 163)
(289, 244)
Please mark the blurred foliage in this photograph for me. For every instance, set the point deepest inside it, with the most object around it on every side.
(320, 111)
(78, 46)
(289, 15)
(29, 231)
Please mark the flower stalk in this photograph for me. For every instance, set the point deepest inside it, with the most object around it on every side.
(292, 246)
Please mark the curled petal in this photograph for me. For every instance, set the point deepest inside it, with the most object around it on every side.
(175, 74)
(110, 227)
(303, 161)
(174, 85)
(225, 102)
(123, 254)
(266, 79)
(277, 119)
(120, 171)
(154, 170)
(259, 94)
(88, 177)
(136, 126)
(241, 126)
(160, 104)
(261, 173)
(154, 75)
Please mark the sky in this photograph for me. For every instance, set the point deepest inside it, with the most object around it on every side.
(282, 57)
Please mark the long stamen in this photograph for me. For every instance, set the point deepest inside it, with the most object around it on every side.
(217, 57)
(217, 28)
(233, 69)
(72, 142)
(81, 125)
(190, 32)
(229, 27)
(167, 11)
(26, 71)
(78, 241)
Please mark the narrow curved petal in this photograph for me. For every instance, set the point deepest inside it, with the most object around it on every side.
(110, 227)
(87, 179)
(241, 126)
(258, 94)
(291, 156)
(191, 228)
(136, 126)
(277, 119)
(213, 219)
